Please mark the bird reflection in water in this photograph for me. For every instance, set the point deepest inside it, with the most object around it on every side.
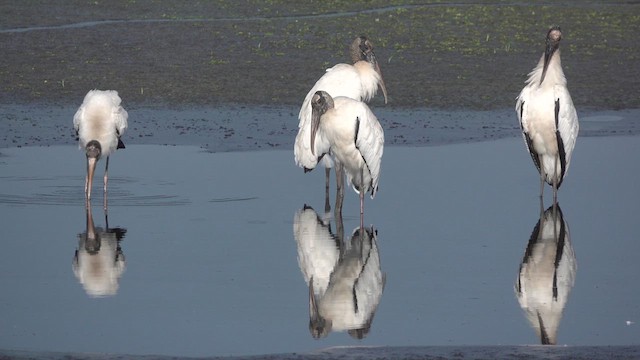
(547, 274)
(98, 262)
(344, 278)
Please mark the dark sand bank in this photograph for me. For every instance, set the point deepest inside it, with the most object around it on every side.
(438, 55)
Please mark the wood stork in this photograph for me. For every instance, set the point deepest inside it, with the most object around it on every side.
(99, 123)
(359, 81)
(318, 247)
(547, 274)
(99, 262)
(548, 119)
(354, 290)
(348, 130)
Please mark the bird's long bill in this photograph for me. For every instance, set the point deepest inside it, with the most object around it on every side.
(313, 304)
(315, 124)
(374, 61)
(92, 242)
(548, 53)
(91, 168)
(91, 230)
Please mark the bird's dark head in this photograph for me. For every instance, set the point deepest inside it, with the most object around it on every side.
(92, 245)
(93, 149)
(360, 334)
(360, 48)
(320, 103)
(319, 327)
(552, 44)
(554, 36)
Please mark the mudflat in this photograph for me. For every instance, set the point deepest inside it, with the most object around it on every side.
(467, 55)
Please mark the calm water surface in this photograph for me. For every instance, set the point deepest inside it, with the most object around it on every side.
(199, 256)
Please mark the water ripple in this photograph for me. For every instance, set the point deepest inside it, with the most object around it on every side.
(58, 192)
(232, 199)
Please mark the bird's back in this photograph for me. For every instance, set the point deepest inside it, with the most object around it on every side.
(340, 80)
(101, 118)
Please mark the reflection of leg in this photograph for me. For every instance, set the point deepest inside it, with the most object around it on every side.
(339, 227)
(327, 205)
(541, 209)
(339, 187)
(106, 179)
(555, 222)
(541, 181)
(106, 219)
(556, 179)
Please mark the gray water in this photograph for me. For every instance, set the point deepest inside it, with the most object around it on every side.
(208, 262)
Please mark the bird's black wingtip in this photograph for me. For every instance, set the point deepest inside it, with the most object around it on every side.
(306, 170)
(120, 144)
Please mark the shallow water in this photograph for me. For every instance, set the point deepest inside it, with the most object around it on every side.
(210, 259)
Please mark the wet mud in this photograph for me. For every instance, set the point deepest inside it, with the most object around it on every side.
(231, 76)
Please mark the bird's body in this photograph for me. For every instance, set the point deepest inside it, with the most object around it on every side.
(354, 290)
(348, 130)
(318, 248)
(547, 116)
(359, 80)
(547, 274)
(99, 262)
(99, 123)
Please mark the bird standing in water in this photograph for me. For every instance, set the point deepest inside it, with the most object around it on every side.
(99, 123)
(348, 130)
(360, 81)
(548, 119)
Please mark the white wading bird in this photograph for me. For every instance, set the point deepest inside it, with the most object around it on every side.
(98, 262)
(99, 123)
(348, 130)
(547, 116)
(318, 248)
(351, 297)
(359, 81)
(547, 274)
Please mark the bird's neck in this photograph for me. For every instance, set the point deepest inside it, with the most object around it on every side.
(369, 79)
(554, 75)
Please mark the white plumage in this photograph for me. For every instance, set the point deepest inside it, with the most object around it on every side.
(98, 262)
(354, 290)
(349, 130)
(318, 248)
(547, 274)
(548, 117)
(359, 81)
(99, 123)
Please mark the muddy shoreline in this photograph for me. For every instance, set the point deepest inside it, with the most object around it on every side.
(436, 55)
(228, 76)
